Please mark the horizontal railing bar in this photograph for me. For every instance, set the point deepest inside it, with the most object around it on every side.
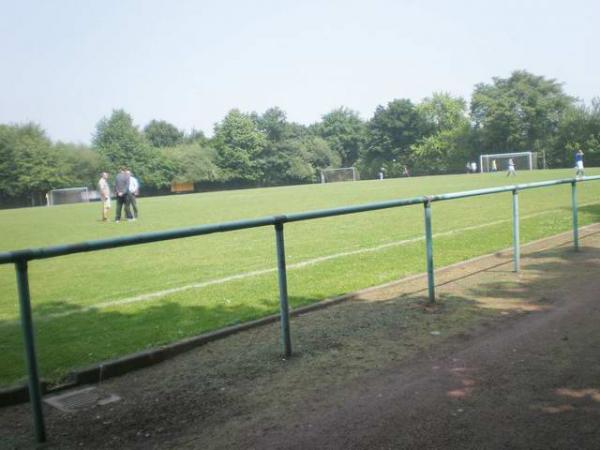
(323, 213)
(518, 187)
(158, 236)
(142, 238)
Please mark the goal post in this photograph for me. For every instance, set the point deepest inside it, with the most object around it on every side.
(68, 195)
(339, 174)
(522, 160)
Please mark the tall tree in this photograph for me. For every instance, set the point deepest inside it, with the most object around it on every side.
(273, 123)
(518, 113)
(161, 133)
(238, 143)
(82, 164)
(29, 165)
(121, 143)
(579, 129)
(193, 163)
(391, 133)
(443, 112)
(345, 132)
(446, 147)
(195, 136)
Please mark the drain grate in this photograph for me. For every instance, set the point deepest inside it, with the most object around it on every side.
(74, 401)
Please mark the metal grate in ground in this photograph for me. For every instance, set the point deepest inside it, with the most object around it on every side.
(88, 397)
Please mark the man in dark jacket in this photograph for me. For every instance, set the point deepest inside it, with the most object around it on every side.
(122, 194)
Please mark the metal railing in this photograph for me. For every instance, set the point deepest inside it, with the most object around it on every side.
(20, 258)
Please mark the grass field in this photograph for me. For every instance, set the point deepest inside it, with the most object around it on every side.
(91, 307)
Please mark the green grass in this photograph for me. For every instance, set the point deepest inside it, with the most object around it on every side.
(78, 323)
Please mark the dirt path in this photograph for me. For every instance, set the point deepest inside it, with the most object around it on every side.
(504, 361)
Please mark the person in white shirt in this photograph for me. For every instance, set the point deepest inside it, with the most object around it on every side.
(134, 191)
(104, 190)
(579, 164)
(511, 168)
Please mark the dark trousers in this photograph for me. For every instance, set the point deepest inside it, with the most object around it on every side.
(123, 200)
(133, 203)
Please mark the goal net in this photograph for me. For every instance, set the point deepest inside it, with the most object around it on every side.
(340, 174)
(499, 161)
(68, 195)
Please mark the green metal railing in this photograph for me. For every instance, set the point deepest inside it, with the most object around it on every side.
(20, 258)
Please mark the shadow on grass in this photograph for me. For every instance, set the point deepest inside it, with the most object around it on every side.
(71, 336)
(592, 210)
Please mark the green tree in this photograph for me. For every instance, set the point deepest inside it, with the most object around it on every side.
(193, 163)
(119, 141)
(443, 152)
(81, 164)
(163, 134)
(285, 162)
(391, 133)
(239, 143)
(318, 153)
(578, 130)
(519, 113)
(29, 165)
(446, 147)
(345, 132)
(443, 112)
(273, 124)
(195, 136)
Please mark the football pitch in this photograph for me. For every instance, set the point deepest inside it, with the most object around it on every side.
(92, 307)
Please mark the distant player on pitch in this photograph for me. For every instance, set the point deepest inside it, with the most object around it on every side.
(579, 164)
(104, 195)
(511, 168)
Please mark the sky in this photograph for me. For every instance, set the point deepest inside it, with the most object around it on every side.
(67, 64)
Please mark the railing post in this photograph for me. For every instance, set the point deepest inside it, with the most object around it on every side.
(429, 252)
(516, 246)
(575, 213)
(35, 396)
(283, 293)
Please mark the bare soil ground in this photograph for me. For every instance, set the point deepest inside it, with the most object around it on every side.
(503, 360)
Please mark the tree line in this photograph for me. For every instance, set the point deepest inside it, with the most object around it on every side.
(523, 112)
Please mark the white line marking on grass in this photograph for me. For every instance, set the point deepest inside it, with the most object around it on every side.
(163, 293)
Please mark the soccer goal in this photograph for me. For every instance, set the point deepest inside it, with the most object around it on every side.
(499, 161)
(340, 174)
(68, 195)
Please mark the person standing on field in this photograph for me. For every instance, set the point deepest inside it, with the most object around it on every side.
(122, 194)
(579, 164)
(494, 166)
(511, 168)
(104, 195)
(134, 191)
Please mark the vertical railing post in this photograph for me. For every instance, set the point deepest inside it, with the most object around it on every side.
(283, 293)
(35, 395)
(429, 252)
(575, 213)
(516, 246)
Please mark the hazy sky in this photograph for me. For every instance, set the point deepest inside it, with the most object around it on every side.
(67, 64)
